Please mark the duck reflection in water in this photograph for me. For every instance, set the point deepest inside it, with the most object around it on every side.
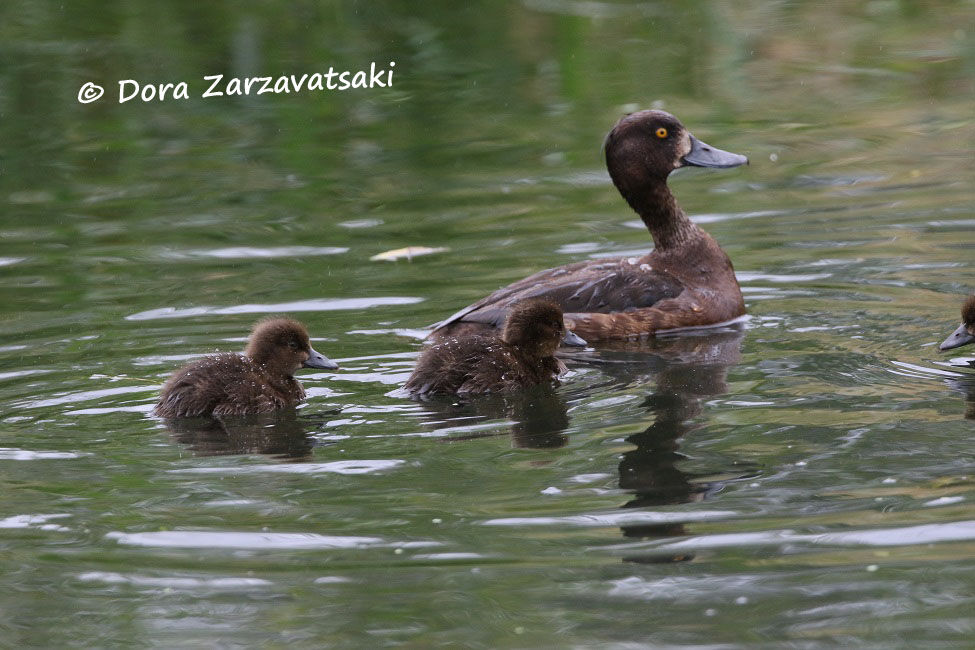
(283, 435)
(538, 416)
(966, 386)
(686, 370)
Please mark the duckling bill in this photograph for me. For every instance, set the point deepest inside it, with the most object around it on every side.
(965, 333)
(258, 381)
(686, 281)
(523, 356)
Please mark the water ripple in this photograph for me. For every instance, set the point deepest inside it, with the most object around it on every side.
(622, 518)
(85, 395)
(249, 252)
(450, 556)
(255, 541)
(10, 453)
(879, 537)
(396, 331)
(102, 410)
(680, 587)
(714, 217)
(33, 521)
(173, 583)
(750, 276)
(335, 467)
(906, 369)
(318, 304)
(13, 374)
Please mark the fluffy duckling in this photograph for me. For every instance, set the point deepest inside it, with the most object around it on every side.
(260, 380)
(965, 333)
(686, 281)
(523, 356)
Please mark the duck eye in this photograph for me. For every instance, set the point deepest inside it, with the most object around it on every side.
(293, 345)
(661, 132)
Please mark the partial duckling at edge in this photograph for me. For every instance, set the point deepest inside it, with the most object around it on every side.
(258, 381)
(523, 356)
(686, 281)
(965, 333)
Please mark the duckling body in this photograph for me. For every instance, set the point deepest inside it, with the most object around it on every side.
(686, 281)
(477, 364)
(522, 356)
(258, 381)
(965, 334)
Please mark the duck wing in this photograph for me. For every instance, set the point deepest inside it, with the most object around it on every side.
(602, 286)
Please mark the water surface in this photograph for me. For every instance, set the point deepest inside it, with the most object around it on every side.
(803, 477)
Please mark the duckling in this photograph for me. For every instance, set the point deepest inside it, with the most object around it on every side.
(259, 381)
(522, 356)
(686, 281)
(965, 333)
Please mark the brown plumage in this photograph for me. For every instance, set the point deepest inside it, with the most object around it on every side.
(522, 356)
(260, 380)
(686, 281)
(965, 333)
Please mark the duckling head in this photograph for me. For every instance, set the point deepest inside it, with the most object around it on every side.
(965, 333)
(282, 346)
(537, 327)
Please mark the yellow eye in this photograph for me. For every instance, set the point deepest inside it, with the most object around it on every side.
(661, 132)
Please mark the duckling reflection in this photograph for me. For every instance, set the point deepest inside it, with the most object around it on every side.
(966, 387)
(687, 370)
(538, 416)
(283, 435)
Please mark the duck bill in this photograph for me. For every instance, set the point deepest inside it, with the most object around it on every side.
(573, 340)
(704, 155)
(319, 360)
(958, 338)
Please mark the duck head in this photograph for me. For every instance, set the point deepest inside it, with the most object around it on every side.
(965, 333)
(537, 327)
(282, 346)
(644, 147)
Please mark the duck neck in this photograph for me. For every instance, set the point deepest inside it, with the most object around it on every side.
(667, 223)
(258, 359)
(275, 371)
(527, 350)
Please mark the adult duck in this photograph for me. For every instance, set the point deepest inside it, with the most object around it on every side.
(686, 281)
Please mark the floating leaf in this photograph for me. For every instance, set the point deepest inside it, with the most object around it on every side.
(406, 253)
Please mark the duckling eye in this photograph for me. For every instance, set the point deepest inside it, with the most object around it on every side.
(661, 132)
(293, 345)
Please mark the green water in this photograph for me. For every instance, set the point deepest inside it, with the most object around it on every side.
(804, 479)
